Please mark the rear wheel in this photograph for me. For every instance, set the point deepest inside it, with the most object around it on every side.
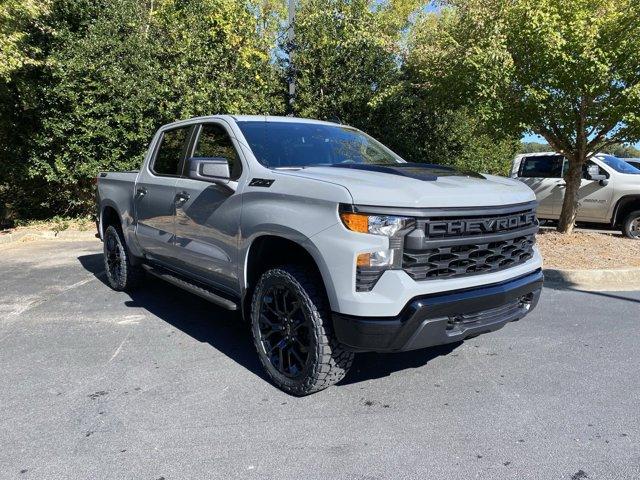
(121, 274)
(631, 226)
(291, 328)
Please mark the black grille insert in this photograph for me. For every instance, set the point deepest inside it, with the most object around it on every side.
(432, 255)
(468, 259)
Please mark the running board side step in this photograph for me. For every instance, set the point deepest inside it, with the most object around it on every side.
(205, 293)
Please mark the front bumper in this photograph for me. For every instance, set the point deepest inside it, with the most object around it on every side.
(442, 318)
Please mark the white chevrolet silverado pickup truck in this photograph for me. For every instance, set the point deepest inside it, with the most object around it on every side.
(324, 240)
(609, 192)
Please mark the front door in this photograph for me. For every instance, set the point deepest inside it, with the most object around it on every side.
(543, 173)
(208, 213)
(155, 192)
(593, 198)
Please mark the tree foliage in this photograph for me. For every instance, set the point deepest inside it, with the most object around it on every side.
(568, 71)
(113, 71)
(84, 83)
(352, 61)
(341, 61)
(17, 19)
(622, 151)
(533, 147)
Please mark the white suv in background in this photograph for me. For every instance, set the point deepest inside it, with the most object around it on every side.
(609, 193)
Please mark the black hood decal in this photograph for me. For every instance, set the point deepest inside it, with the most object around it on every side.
(427, 172)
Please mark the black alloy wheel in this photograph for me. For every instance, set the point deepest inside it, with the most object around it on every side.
(293, 331)
(284, 330)
(121, 273)
(113, 258)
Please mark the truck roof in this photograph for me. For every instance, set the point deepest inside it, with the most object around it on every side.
(251, 118)
(538, 154)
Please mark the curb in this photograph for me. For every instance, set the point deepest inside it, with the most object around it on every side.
(27, 236)
(593, 280)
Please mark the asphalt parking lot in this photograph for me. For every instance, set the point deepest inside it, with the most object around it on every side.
(162, 385)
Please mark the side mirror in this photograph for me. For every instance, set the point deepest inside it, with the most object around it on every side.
(209, 169)
(601, 179)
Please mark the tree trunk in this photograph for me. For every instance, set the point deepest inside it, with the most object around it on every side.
(572, 185)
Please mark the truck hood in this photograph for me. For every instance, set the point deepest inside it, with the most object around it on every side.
(418, 186)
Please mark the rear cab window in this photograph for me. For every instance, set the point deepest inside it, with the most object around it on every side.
(171, 152)
(542, 166)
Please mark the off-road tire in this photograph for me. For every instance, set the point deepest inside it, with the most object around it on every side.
(631, 226)
(327, 362)
(122, 275)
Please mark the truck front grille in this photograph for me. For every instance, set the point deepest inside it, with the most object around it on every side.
(468, 259)
(446, 247)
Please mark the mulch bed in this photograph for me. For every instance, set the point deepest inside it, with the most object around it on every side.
(587, 250)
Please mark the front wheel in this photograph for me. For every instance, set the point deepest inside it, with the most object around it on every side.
(631, 226)
(292, 331)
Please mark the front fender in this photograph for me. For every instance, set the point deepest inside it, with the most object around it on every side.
(276, 230)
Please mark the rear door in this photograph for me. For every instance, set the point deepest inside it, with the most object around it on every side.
(155, 192)
(208, 213)
(543, 173)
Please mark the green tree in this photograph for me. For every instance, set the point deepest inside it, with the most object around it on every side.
(411, 121)
(622, 151)
(17, 17)
(21, 60)
(216, 57)
(431, 125)
(111, 72)
(352, 61)
(344, 57)
(97, 98)
(533, 147)
(568, 71)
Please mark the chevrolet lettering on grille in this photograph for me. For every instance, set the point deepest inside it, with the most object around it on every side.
(482, 225)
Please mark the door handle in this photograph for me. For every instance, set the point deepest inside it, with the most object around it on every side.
(182, 198)
(141, 192)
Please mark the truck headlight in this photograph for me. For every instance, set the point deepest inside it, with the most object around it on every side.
(385, 225)
(371, 265)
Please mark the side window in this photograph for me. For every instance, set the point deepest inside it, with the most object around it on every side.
(170, 151)
(590, 164)
(214, 141)
(542, 166)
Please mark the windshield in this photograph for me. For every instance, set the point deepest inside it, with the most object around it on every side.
(619, 165)
(298, 144)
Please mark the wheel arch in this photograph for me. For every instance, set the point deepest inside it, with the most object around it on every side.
(268, 250)
(109, 215)
(624, 206)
